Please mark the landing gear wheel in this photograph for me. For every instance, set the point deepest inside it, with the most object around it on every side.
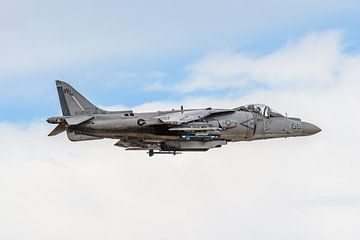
(151, 152)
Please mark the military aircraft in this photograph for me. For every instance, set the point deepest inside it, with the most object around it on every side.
(174, 131)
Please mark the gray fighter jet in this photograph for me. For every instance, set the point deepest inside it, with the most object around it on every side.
(171, 132)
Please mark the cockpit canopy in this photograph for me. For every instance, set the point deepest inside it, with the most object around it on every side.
(260, 109)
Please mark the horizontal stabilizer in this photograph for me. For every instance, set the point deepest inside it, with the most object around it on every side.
(72, 121)
(59, 129)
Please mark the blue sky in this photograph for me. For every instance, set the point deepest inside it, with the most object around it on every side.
(113, 51)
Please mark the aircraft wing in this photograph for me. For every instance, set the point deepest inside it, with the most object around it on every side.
(179, 118)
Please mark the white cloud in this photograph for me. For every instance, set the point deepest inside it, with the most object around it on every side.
(52, 188)
(313, 62)
(303, 188)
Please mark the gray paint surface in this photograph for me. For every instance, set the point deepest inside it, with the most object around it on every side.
(172, 131)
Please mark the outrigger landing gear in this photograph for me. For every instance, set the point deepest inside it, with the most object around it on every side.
(152, 152)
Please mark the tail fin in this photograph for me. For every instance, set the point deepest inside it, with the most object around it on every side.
(73, 103)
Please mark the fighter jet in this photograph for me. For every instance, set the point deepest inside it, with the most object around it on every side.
(174, 131)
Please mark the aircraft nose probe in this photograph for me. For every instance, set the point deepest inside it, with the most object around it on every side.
(309, 129)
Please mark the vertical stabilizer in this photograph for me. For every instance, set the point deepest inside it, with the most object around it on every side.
(73, 103)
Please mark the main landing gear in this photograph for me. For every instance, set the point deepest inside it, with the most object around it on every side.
(152, 152)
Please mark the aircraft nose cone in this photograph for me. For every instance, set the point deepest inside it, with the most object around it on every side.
(309, 129)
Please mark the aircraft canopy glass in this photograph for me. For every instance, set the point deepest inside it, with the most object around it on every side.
(260, 109)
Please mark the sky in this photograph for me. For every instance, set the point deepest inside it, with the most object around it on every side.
(301, 58)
